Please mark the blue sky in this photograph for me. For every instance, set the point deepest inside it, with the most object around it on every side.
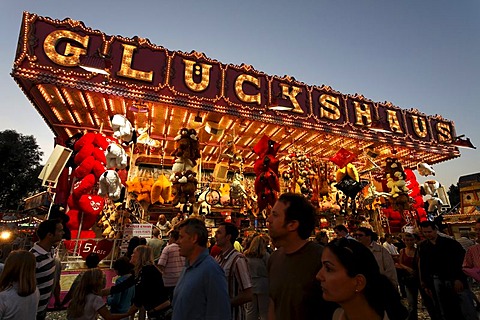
(415, 54)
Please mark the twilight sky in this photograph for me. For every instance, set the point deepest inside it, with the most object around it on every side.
(415, 54)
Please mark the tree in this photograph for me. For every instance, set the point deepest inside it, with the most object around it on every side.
(20, 166)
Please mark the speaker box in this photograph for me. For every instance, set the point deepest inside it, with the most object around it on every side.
(54, 166)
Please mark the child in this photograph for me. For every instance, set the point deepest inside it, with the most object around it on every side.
(121, 302)
(86, 302)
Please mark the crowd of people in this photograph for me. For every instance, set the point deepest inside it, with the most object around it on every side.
(282, 275)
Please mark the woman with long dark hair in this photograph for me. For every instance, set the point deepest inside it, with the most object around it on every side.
(350, 276)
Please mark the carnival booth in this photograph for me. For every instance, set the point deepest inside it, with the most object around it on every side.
(157, 131)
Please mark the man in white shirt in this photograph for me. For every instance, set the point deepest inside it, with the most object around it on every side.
(388, 244)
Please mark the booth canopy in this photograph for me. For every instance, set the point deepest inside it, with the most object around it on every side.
(162, 91)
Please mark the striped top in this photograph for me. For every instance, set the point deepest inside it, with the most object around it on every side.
(45, 274)
(236, 269)
(173, 263)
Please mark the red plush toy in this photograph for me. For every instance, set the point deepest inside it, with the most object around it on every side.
(267, 184)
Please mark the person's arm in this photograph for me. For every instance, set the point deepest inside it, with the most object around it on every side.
(105, 313)
(69, 294)
(129, 282)
(243, 296)
(389, 267)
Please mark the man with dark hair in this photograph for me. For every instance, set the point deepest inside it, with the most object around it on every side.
(236, 269)
(171, 262)
(50, 233)
(156, 243)
(385, 261)
(293, 291)
(441, 275)
(342, 232)
(201, 292)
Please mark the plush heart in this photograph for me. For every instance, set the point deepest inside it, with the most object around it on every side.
(83, 153)
(86, 139)
(98, 169)
(89, 221)
(84, 168)
(100, 141)
(343, 157)
(72, 202)
(84, 234)
(266, 146)
(74, 222)
(84, 186)
(99, 155)
(91, 204)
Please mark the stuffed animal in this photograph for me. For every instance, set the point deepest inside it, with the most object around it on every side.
(123, 129)
(237, 189)
(161, 190)
(116, 157)
(110, 185)
(424, 169)
(182, 164)
(397, 184)
(189, 187)
(182, 144)
(267, 183)
(194, 146)
(429, 189)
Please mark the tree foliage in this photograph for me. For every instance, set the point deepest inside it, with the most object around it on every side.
(20, 166)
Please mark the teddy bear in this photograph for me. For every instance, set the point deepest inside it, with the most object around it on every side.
(194, 146)
(396, 183)
(176, 188)
(189, 186)
(182, 144)
(182, 164)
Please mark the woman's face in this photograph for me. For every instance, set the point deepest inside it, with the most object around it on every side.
(409, 242)
(337, 286)
(134, 257)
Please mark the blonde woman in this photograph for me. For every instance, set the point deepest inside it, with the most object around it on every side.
(257, 257)
(18, 287)
(150, 291)
(87, 303)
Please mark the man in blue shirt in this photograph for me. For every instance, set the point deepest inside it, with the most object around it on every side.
(201, 291)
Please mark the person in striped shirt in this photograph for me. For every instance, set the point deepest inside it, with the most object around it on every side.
(236, 270)
(50, 233)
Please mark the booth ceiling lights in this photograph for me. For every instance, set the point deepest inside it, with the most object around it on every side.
(463, 143)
